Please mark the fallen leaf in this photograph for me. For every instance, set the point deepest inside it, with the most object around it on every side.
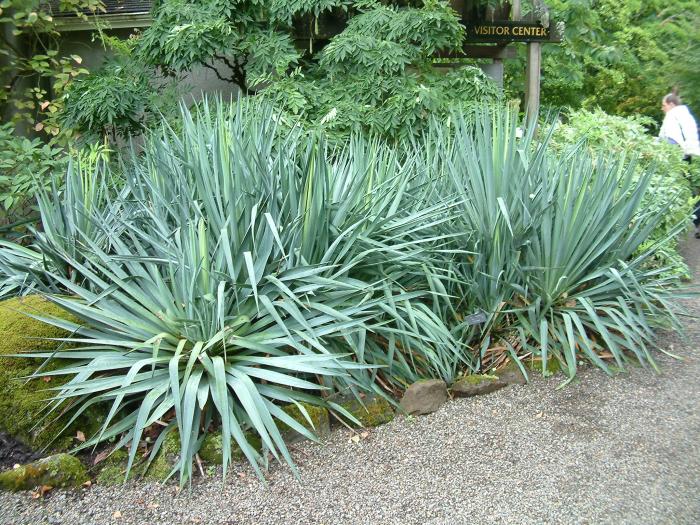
(40, 491)
(355, 439)
(364, 435)
(80, 436)
(87, 484)
(44, 105)
(101, 456)
(117, 515)
(39, 126)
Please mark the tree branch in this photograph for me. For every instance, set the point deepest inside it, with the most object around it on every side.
(209, 66)
(238, 74)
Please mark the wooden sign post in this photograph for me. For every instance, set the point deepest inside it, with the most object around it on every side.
(532, 80)
(535, 31)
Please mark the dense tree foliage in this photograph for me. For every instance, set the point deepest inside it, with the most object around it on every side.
(333, 63)
(33, 70)
(35, 74)
(621, 56)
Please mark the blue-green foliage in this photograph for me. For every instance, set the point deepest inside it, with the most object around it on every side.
(671, 186)
(240, 266)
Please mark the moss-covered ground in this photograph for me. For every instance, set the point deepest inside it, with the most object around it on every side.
(22, 401)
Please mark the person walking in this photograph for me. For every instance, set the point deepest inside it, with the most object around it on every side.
(679, 127)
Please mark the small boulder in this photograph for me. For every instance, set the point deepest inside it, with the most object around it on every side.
(212, 449)
(166, 459)
(477, 385)
(511, 375)
(22, 402)
(319, 417)
(372, 412)
(112, 471)
(535, 365)
(58, 471)
(424, 397)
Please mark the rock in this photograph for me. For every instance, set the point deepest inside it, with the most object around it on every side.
(212, 449)
(511, 375)
(58, 471)
(477, 385)
(166, 459)
(376, 410)
(424, 397)
(319, 417)
(553, 366)
(113, 469)
(21, 401)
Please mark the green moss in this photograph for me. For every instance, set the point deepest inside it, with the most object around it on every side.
(166, 459)
(21, 401)
(212, 449)
(477, 379)
(318, 415)
(113, 469)
(61, 470)
(376, 411)
(535, 365)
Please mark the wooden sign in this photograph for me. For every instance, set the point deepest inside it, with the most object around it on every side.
(508, 31)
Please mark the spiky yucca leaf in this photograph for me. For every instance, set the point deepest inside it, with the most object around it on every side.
(550, 254)
(250, 270)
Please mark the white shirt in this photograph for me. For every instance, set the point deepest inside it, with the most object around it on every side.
(680, 127)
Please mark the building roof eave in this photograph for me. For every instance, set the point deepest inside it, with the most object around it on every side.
(111, 21)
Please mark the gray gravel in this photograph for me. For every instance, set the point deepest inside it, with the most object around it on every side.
(601, 450)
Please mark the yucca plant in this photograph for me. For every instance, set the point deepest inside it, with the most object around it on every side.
(68, 212)
(588, 294)
(498, 176)
(552, 256)
(250, 272)
(240, 268)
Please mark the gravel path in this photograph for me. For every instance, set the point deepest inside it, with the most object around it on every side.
(620, 450)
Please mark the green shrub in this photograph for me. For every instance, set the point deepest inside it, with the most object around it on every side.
(395, 108)
(239, 269)
(549, 247)
(249, 271)
(673, 181)
(64, 212)
(23, 163)
(110, 102)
